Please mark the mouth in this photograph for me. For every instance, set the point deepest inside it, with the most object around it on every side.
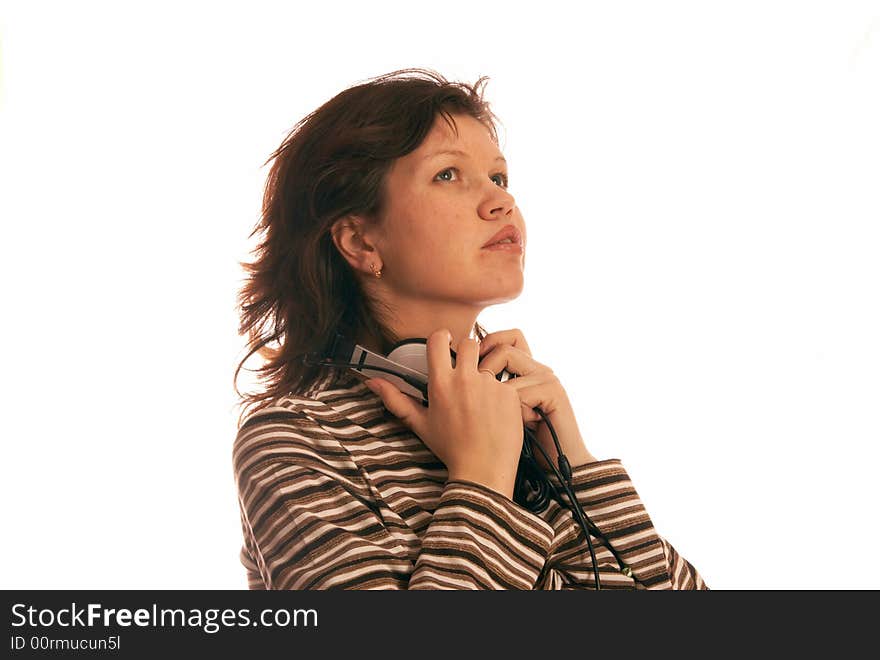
(505, 246)
(508, 236)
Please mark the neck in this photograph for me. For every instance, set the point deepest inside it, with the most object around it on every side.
(425, 317)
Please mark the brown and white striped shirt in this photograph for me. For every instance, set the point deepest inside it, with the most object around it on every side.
(335, 492)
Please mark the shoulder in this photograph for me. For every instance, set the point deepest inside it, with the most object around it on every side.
(297, 429)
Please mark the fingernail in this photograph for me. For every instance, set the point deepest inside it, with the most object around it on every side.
(372, 387)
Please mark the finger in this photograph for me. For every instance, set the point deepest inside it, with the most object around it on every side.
(513, 337)
(511, 358)
(529, 416)
(412, 414)
(537, 389)
(439, 356)
(541, 393)
(467, 355)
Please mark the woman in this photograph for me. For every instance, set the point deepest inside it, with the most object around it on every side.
(377, 212)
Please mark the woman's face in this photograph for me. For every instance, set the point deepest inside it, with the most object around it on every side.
(441, 208)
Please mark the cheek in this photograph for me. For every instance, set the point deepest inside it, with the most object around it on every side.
(434, 259)
(434, 231)
(418, 250)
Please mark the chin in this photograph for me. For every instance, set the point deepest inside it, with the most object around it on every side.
(503, 292)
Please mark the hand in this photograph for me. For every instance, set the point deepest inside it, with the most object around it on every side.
(472, 422)
(536, 385)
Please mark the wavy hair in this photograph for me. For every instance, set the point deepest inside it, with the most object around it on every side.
(299, 291)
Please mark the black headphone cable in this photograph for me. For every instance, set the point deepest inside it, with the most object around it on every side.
(583, 520)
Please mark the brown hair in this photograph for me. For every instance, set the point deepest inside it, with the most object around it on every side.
(299, 290)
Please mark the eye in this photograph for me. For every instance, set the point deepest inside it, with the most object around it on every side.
(504, 179)
(442, 172)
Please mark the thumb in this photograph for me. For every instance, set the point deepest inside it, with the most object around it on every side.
(412, 414)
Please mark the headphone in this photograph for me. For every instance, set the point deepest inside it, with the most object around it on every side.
(406, 366)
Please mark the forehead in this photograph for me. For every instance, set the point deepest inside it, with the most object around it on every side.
(469, 135)
(464, 131)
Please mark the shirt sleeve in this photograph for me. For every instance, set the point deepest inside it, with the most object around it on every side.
(609, 499)
(681, 572)
(310, 522)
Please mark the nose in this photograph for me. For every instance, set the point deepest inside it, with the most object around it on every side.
(498, 205)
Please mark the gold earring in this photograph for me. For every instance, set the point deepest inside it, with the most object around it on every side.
(377, 273)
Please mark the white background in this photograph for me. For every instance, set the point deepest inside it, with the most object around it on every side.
(700, 186)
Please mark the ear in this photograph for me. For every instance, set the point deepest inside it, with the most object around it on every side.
(352, 236)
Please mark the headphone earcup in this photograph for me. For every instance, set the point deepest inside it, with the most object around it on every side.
(413, 353)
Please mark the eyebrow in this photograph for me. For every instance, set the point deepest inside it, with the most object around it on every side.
(455, 152)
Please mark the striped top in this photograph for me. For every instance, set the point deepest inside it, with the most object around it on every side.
(336, 493)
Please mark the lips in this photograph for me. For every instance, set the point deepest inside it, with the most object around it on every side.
(509, 231)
